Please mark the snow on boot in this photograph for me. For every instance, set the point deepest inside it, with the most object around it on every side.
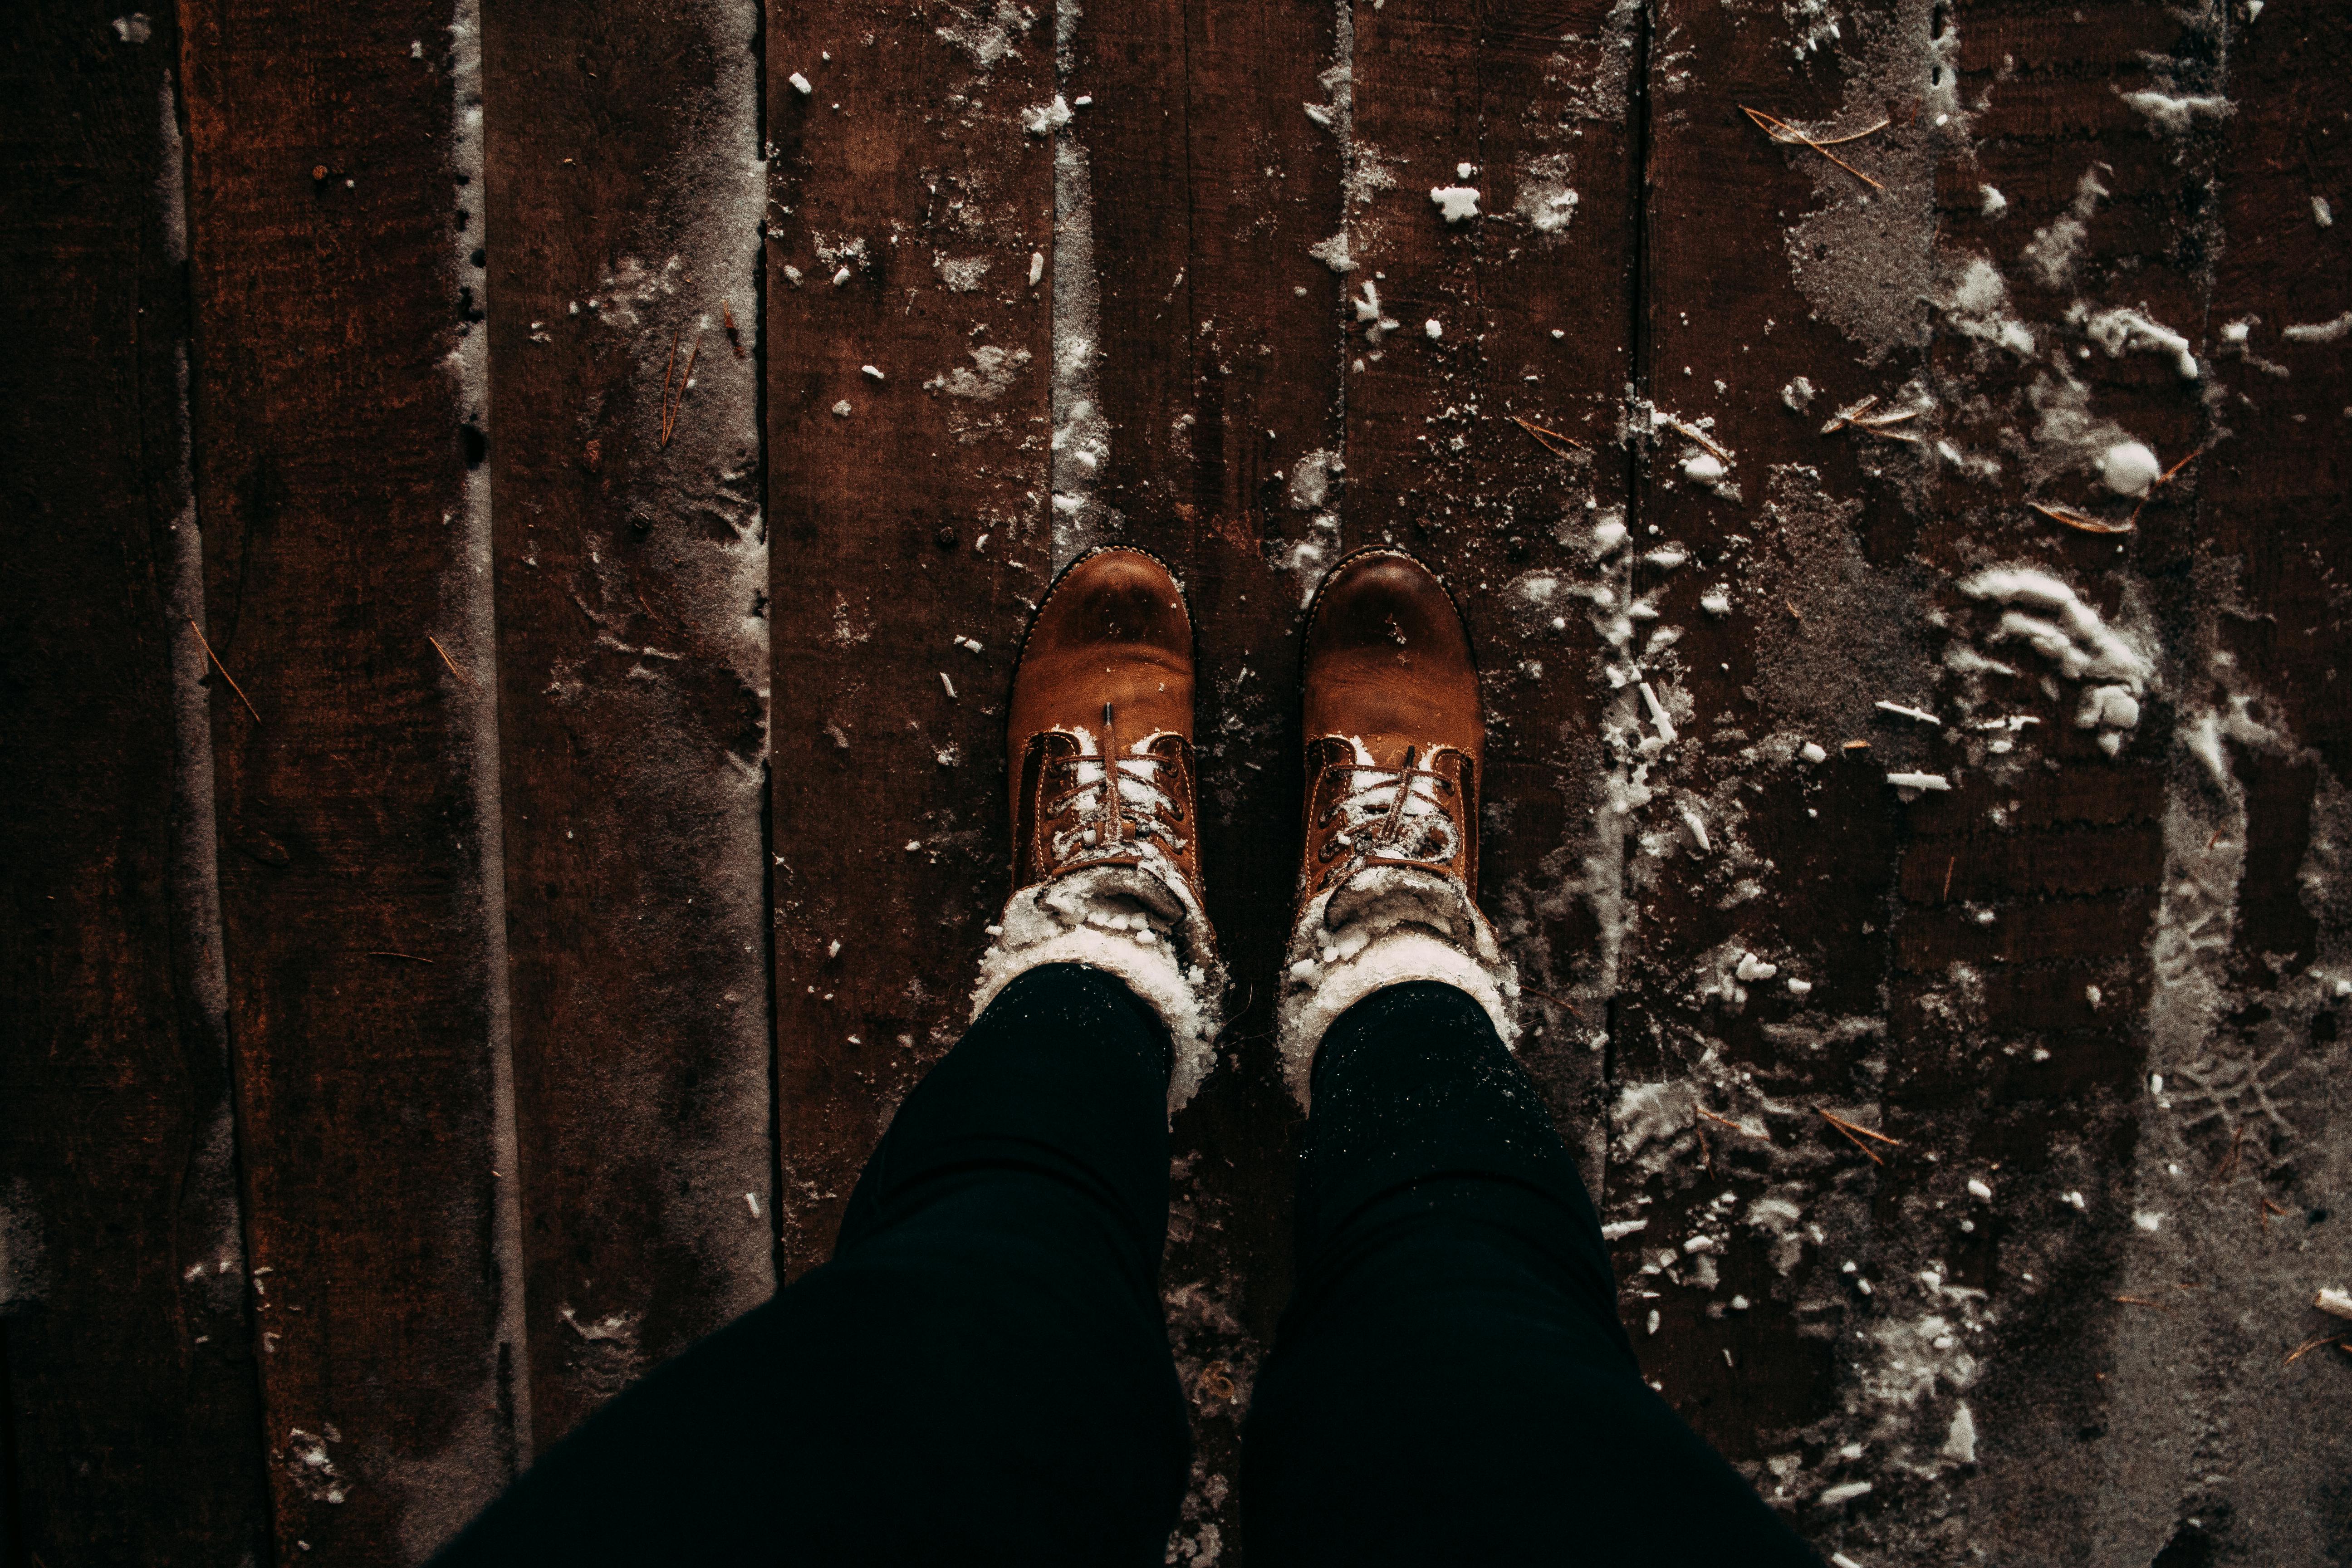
(1396, 750)
(1105, 860)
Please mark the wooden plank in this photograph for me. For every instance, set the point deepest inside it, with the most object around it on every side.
(1489, 448)
(1219, 388)
(632, 660)
(340, 428)
(1796, 858)
(2268, 513)
(2274, 492)
(915, 517)
(132, 1419)
(2099, 214)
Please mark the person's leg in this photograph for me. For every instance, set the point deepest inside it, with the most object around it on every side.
(1451, 1382)
(982, 1373)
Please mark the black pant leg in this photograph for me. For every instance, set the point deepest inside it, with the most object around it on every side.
(982, 1373)
(1451, 1382)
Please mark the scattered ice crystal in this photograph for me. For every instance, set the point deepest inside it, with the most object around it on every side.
(801, 84)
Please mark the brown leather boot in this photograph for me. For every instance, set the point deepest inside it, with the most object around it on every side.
(1395, 738)
(1105, 853)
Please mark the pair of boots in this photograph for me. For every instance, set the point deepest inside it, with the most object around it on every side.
(1106, 835)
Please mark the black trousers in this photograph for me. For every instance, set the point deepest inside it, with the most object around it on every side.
(982, 1374)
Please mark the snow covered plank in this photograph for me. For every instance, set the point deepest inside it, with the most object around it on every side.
(1777, 286)
(2068, 253)
(2276, 491)
(909, 229)
(1208, 143)
(2269, 528)
(340, 421)
(1491, 240)
(624, 200)
(133, 1421)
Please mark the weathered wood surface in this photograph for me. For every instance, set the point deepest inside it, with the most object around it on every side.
(133, 1431)
(1489, 446)
(909, 227)
(1186, 274)
(632, 591)
(1217, 375)
(340, 425)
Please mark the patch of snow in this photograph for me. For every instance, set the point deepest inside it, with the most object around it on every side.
(2319, 332)
(1459, 203)
(2174, 114)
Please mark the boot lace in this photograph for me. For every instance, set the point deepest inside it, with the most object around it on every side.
(1118, 800)
(1409, 826)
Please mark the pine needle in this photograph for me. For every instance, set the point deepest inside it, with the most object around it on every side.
(447, 660)
(2082, 521)
(233, 686)
(1555, 1001)
(1551, 441)
(1850, 1129)
(1781, 130)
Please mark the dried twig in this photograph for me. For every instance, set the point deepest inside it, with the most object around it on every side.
(1946, 896)
(2303, 1349)
(447, 660)
(233, 686)
(2143, 1302)
(386, 953)
(1551, 441)
(2081, 519)
(1781, 130)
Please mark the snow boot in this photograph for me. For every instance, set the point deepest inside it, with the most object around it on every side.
(1106, 846)
(1388, 890)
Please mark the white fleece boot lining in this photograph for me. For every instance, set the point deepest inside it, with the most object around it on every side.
(1385, 926)
(1132, 921)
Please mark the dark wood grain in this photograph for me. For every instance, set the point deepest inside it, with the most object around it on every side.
(915, 518)
(1724, 325)
(1532, 299)
(339, 479)
(1220, 383)
(632, 603)
(133, 1424)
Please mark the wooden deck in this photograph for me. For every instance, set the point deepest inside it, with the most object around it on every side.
(518, 534)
